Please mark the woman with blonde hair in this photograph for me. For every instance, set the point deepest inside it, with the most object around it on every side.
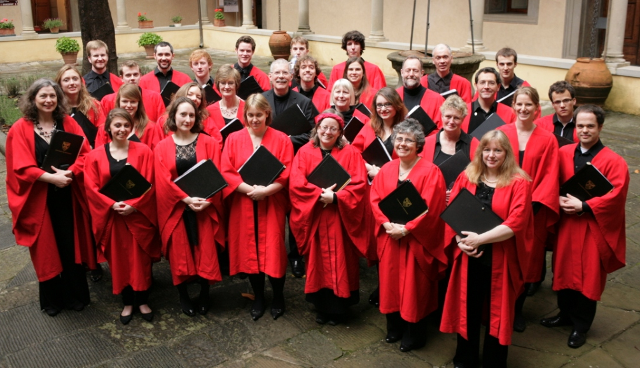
(343, 99)
(230, 106)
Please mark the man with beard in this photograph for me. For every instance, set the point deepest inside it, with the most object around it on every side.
(443, 79)
(98, 56)
(413, 93)
(353, 44)
(245, 47)
(306, 75)
(157, 79)
(300, 48)
(487, 81)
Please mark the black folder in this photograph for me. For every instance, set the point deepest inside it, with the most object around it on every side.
(63, 151)
(466, 212)
(450, 92)
(587, 183)
(168, 92)
(403, 204)
(90, 130)
(352, 128)
(232, 126)
(423, 118)
(453, 166)
(329, 172)
(508, 99)
(291, 121)
(211, 95)
(127, 184)
(203, 180)
(562, 141)
(493, 122)
(105, 89)
(262, 168)
(248, 87)
(376, 154)
(363, 109)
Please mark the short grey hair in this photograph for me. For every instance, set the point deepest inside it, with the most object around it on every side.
(454, 102)
(442, 45)
(279, 62)
(413, 127)
(344, 83)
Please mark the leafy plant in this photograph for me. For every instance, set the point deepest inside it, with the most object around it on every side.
(9, 112)
(11, 86)
(149, 38)
(142, 17)
(6, 23)
(52, 23)
(219, 14)
(66, 44)
(176, 19)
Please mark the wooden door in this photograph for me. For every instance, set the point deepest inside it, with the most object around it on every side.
(41, 10)
(631, 48)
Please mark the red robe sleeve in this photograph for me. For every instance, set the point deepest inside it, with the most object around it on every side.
(108, 103)
(375, 76)
(336, 73)
(153, 104)
(261, 77)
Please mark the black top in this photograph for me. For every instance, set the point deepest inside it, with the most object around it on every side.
(463, 143)
(227, 120)
(185, 157)
(347, 115)
(438, 84)
(515, 84)
(209, 83)
(442, 157)
(388, 144)
(93, 80)
(565, 131)
(163, 78)
(280, 102)
(412, 97)
(244, 72)
(478, 115)
(580, 159)
(308, 94)
(42, 146)
(485, 194)
(521, 157)
(114, 165)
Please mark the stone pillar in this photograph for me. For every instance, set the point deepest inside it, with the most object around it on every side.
(204, 12)
(27, 20)
(75, 15)
(377, 12)
(303, 17)
(615, 34)
(247, 14)
(121, 9)
(477, 11)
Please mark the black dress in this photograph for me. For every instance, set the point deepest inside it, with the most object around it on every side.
(185, 159)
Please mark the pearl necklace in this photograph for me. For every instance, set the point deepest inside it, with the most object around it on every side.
(489, 181)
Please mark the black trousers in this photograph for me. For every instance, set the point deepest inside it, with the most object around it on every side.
(131, 297)
(580, 309)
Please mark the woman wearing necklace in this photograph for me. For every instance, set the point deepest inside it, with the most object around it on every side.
(355, 73)
(257, 248)
(344, 101)
(411, 255)
(538, 157)
(230, 106)
(47, 207)
(327, 223)
(484, 285)
(191, 228)
(126, 231)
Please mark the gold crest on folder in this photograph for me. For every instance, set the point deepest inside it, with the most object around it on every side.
(406, 203)
(589, 185)
(65, 146)
(130, 184)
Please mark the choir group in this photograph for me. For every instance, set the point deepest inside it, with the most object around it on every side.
(425, 266)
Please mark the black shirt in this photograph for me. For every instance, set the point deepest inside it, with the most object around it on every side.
(308, 94)
(280, 103)
(478, 115)
(209, 83)
(114, 165)
(580, 159)
(438, 84)
(565, 131)
(163, 78)
(515, 84)
(463, 143)
(413, 97)
(244, 72)
(485, 194)
(93, 80)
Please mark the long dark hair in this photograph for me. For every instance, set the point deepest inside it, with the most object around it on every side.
(173, 109)
(28, 106)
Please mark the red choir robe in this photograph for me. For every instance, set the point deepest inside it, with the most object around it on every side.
(461, 84)
(593, 244)
(216, 114)
(269, 255)
(330, 238)
(27, 199)
(409, 269)
(512, 203)
(541, 163)
(184, 259)
(150, 136)
(504, 112)
(96, 115)
(430, 103)
(261, 77)
(150, 81)
(366, 97)
(546, 123)
(321, 98)
(151, 100)
(374, 75)
(366, 136)
(128, 242)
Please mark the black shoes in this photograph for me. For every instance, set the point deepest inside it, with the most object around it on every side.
(96, 275)
(556, 321)
(393, 337)
(75, 305)
(126, 319)
(533, 288)
(374, 298)
(297, 267)
(147, 316)
(322, 318)
(577, 339)
(257, 309)
(51, 311)
(277, 312)
(519, 323)
(187, 307)
(203, 304)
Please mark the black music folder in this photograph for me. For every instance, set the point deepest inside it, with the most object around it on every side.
(211, 95)
(203, 180)
(466, 212)
(494, 121)
(105, 89)
(329, 172)
(363, 109)
(168, 92)
(403, 204)
(262, 168)
(63, 151)
(127, 184)
(562, 141)
(587, 183)
(352, 128)
(248, 87)
(450, 92)
(453, 166)
(90, 130)
(292, 121)
(423, 118)
(376, 154)
(232, 126)
(508, 99)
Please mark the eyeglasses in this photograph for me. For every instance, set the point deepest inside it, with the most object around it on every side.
(566, 101)
(381, 106)
(323, 128)
(400, 140)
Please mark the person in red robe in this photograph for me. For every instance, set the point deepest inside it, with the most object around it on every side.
(411, 255)
(353, 42)
(538, 157)
(484, 285)
(230, 106)
(487, 81)
(144, 130)
(47, 208)
(327, 222)
(343, 100)
(245, 47)
(443, 79)
(591, 234)
(191, 228)
(158, 78)
(126, 231)
(307, 79)
(563, 97)
(258, 248)
(300, 49)
(355, 72)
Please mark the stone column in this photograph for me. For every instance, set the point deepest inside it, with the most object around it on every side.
(204, 12)
(377, 12)
(247, 14)
(303, 17)
(615, 34)
(27, 20)
(477, 11)
(121, 9)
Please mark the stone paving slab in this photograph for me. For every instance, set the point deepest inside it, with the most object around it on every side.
(26, 275)
(596, 358)
(199, 350)
(626, 347)
(12, 261)
(520, 357)
(313, 348)
(157, 357)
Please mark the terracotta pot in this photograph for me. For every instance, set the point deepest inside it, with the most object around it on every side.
(149, 50)
(280, 45)
(591, 79)
(145, 24)
(70, 58)
(54, 30)
(7, 32)
(219, 22)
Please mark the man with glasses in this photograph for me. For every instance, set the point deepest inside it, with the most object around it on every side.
(413, 93)
(487, 81)
(443, 79)
(563, 97)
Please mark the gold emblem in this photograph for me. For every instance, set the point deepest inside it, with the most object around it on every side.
(406, 203)
(589, 185)
(130, 184)
(65, 146)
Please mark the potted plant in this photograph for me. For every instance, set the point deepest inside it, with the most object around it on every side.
(69, 49)
(7, 28)
(149, 40)
(143, 21)
(177, 21)
(53, 25)
(218, 18)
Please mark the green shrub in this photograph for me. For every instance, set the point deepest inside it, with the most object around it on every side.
(52, 23)
(9, 112)
(66, 44)
(11, 86)
(176, 19)
(149, 38)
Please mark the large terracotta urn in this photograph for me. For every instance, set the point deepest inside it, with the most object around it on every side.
(591, 79)
(280, 45)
